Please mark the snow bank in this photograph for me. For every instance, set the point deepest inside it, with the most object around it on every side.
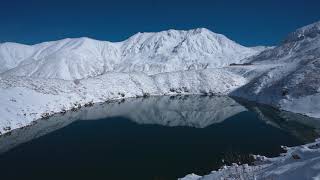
(301, 162)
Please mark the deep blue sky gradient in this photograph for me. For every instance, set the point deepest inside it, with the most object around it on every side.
(248, 22)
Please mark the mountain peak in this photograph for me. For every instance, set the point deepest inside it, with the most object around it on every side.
(201, 30)
(309, 31)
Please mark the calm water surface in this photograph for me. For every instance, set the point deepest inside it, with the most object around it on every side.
(151, 138)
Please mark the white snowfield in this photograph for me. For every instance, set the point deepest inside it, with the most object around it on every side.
(53, 77)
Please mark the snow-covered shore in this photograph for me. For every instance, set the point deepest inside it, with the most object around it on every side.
(301, 162)
(28, 99)
(186, 110)
(195, 61)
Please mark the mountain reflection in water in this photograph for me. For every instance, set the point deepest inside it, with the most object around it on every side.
(182, 133)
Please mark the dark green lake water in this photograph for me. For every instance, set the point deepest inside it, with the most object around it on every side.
(154, 138)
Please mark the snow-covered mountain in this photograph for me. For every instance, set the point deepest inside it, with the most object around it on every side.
(286, 77)
(41, 80)
(151, 53)
(290, 79)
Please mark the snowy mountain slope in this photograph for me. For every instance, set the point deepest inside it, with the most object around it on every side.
(181, 50)
(284, 80)
(11, 54)
(27, 99)
(302, 43)
(292, 80)
(262, 48)
(68, 59)
(151, 53)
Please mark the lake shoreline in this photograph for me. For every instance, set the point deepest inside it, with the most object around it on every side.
(118, 102)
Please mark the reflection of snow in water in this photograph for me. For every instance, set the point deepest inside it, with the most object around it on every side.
(192, 111)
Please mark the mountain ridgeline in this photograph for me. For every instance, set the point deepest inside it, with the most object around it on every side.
(150, 53)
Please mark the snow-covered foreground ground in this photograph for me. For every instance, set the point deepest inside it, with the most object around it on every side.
(302, 162)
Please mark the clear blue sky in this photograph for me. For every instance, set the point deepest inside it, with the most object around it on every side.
(249, 22)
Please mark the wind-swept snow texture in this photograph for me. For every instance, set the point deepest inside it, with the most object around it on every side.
(151, 53)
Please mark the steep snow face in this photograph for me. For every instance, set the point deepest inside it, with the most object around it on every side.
(180, 50)
(151, 53)
(292, 82)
